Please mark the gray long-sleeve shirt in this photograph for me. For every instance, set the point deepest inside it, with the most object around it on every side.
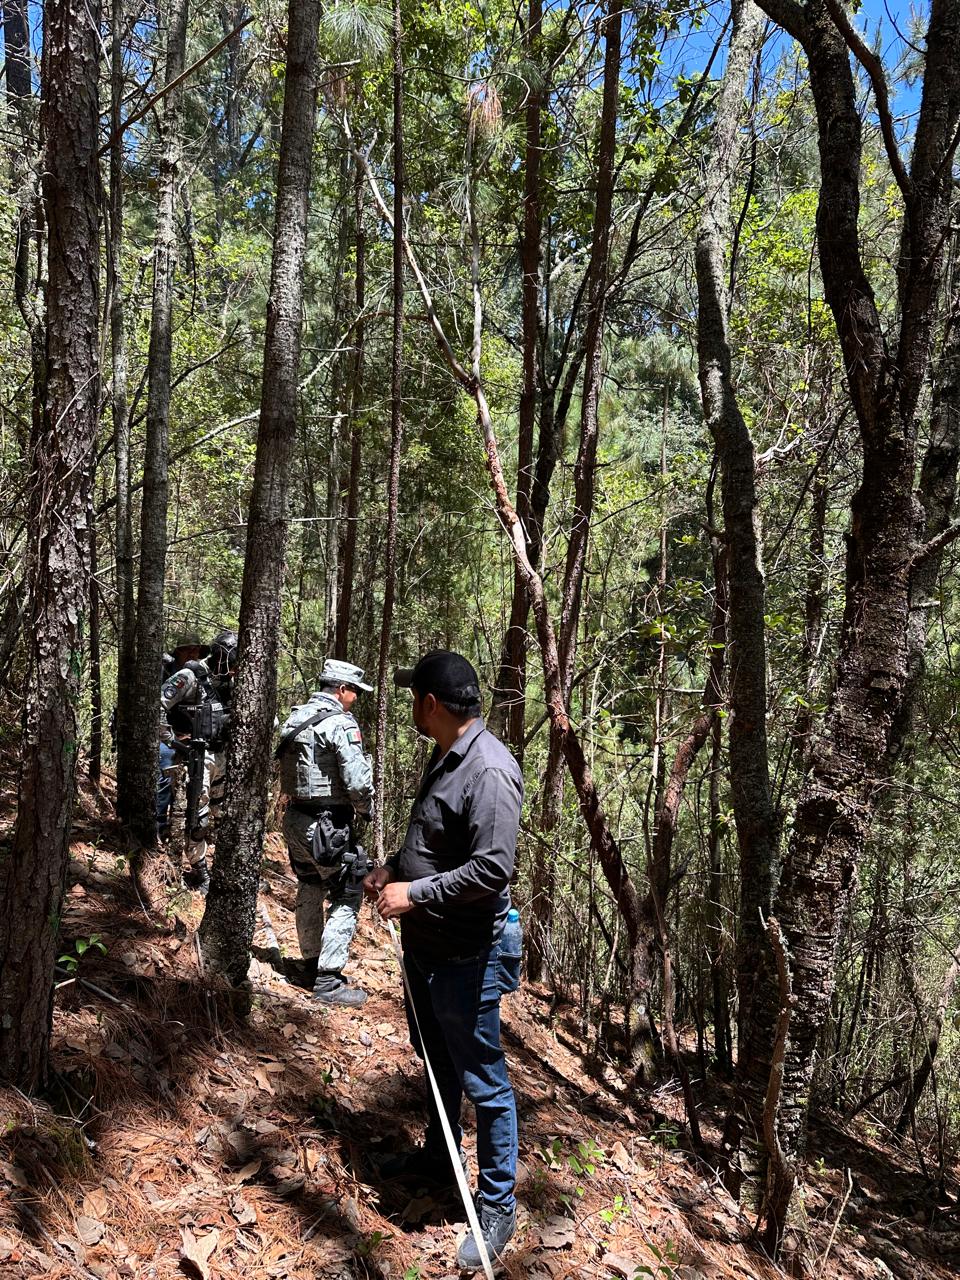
(460, 848)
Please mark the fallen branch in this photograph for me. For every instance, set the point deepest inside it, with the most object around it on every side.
(95, 990)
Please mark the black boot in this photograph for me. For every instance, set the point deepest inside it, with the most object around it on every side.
(331, 988)
(198, 877)
(421, 1165)
(301, 973)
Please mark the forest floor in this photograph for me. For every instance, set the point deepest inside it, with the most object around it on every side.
(184, 1141)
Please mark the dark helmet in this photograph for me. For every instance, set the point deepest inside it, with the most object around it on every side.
(223, 653)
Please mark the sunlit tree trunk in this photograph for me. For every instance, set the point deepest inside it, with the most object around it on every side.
(750, 786)
(507, 713)
(227, 928)
(123, 528)
(349, 551)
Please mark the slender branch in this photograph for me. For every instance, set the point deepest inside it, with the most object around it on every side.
(935, 545)
(460, 373)
(252, 416)
(168, 88)
(871, 64)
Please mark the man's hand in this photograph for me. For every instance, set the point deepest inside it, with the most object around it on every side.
(375, 880)
(394, 899)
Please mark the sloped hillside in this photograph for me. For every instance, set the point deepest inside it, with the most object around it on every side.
(183, 1141)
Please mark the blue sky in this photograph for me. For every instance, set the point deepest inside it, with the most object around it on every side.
(886, 24)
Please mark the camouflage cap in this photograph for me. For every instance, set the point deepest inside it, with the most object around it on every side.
(336, 671)
(190, 640)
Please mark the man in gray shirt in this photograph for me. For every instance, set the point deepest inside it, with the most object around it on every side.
(449, 885)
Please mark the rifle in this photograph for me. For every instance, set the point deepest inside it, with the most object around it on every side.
(196, 758)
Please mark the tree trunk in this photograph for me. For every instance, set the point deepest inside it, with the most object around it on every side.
(749, 765)
(396, 437)
(227, 928)
(349, 553)
(231, 15)
(841, 790)
(340, 403)
(139, 804)
(21, 107)
(58, 581)
(922, 1074)
(507, 716)
(123, 534)
(95, 762)
(750, 786)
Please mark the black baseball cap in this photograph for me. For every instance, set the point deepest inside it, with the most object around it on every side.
(448, 676)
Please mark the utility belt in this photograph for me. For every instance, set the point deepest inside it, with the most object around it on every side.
(333, 845)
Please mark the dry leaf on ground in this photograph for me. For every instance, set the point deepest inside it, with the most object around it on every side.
(196, 1251)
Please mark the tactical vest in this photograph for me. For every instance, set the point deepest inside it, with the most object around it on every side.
(309, 769)
(204, 717)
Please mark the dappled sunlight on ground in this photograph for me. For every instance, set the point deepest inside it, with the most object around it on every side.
(180, 1140)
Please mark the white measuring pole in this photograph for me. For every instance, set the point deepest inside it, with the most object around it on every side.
(452, 1148)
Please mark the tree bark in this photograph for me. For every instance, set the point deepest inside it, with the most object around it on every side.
(33, 874)
(123, 528)
(349, 552)
(229, 920)
(28, 223)
(95, 761)
(396, 438)
(839, 795)
(138, 805)
(508, 706)
(751, 792)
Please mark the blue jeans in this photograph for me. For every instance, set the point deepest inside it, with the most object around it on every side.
(167, 759)
(458, 1007)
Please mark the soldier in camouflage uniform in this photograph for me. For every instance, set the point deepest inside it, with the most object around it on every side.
(329, 781)
(199, 684)
(188, 647)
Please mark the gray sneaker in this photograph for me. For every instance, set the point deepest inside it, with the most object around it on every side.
(497, 1226)
(331, 988)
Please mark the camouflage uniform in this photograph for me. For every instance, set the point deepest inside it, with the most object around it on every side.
(321, 840)
(185, 688)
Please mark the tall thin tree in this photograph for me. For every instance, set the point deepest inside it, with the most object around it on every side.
(349, 549)
(138, 805)
(226, 931)
(508, 707)
(750, 785)
(123, 528)
(33, 875)
(396, 432)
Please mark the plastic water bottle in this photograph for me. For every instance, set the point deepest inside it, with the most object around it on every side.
(511, 952)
